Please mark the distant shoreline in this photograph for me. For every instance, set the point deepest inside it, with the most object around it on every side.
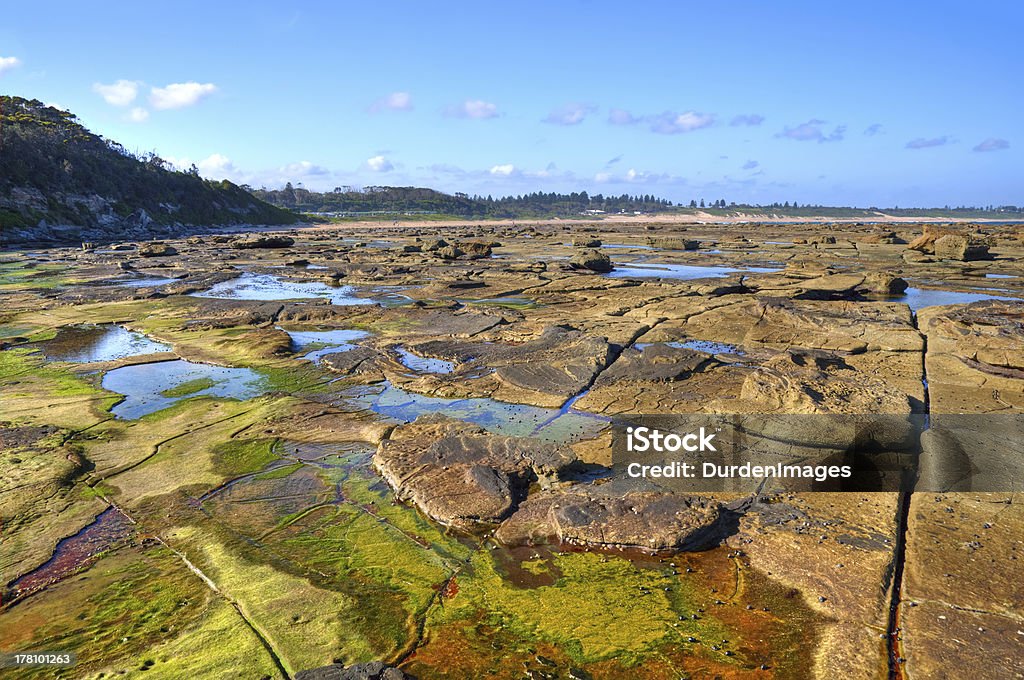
(699, 218)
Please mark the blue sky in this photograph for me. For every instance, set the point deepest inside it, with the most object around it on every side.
(865, 103)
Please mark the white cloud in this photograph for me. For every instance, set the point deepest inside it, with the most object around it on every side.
(503, 170)
(634, 176)
(474, 108)
(217, 166)
(396, 101)
(8, 63)
(747, 119)
(992, 144)
(671, 123)
(812, 131)
(922, 143)
(119, 93)
(570, 114)
(138, 115)
(179, 95)
(379, 164)
(622, 117)
(214, 166)
(305, 169)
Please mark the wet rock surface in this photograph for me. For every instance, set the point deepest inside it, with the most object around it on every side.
(374, 670)
(336, 528)
(461, 475)
(615, 516)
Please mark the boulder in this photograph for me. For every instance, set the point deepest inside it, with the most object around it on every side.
(884, 283)
(961, 248)
(157, 249)
(269, 241)
(448, 253)
(436, 244)
(474, 250)
(591, 259)
(461, 475)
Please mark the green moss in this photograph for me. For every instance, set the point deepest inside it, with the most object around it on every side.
(237, 457)
(21, 369)
(189, 387)
(599, 607)
(117, 616)
(280, 472)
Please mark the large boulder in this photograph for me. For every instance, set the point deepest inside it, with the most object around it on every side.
(961, 248)
(268, 241)
(461, 475)
(157, 249)
(591, 259)
(474, 250)
(883, 283)
(448, 253)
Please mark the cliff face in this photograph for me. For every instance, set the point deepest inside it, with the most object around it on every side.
(61, 183)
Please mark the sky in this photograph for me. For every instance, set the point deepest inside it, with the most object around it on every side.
(859, 103)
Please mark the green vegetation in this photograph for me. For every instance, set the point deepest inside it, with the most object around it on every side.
(344, 201)
(427, 204)
(236, 457)
(189, 387)
(56, 170)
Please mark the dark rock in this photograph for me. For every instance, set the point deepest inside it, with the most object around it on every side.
(251, 242)
(374, 670)
(157, 249)
(448, 253)
(475, 250)
(614, 515)
(591, 259)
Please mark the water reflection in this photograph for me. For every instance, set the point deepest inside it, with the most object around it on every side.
(250, 286)
(324, 342)
(560, 425)
(148, 388)
(90, 344)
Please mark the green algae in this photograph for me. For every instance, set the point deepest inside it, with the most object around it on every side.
(187, 388)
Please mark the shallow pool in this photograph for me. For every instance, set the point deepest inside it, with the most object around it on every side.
(148, 388)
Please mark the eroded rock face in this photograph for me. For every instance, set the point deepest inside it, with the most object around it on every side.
(960, 247)
(614, 515)
(474, 250)
(884, 283)
(591, 259)
(547, 369)
(975, 359)
(818, 382)
(836, 326)
(459, 474)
